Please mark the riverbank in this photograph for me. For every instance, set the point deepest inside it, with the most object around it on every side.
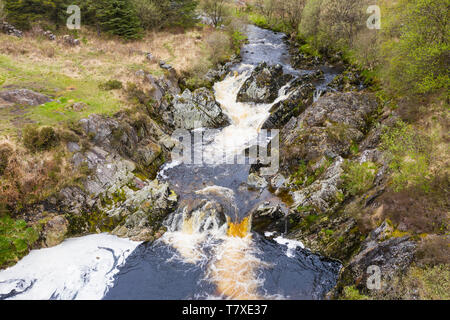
(86, 124)
(341, 182)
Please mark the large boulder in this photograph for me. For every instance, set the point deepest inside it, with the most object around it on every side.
(300, 96)
(54, 231)
(191, 109)
(143, 211)
(263, 84)
(322, 195)
(22, 97)
(391, 254)
(140, 140)
(327, 128)
(268, 217)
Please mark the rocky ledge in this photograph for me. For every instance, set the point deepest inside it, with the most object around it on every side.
(263, 84)
(319, 141)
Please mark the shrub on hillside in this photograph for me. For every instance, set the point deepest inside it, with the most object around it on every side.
(219, 45)
(409, 155)
(111, 85)
(418, 51)
(5, 152)
(358, 178)
(16, 240)
(434, 250)
(38, 139)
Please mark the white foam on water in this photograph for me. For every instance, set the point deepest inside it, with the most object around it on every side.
(292, 245)
(79, 268)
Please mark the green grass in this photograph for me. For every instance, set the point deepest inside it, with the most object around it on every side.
(65, 90)
(16, 240)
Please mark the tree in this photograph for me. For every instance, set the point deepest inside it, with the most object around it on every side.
(340, 20)
(118, 17)
(419, 56)
(23, 13)
(2, 11)
(182, 12)
(150, 12)
(214, 10)
(294, 10)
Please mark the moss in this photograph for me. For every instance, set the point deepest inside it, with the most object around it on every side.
(93, 222)
(351, 293)
(16, 240)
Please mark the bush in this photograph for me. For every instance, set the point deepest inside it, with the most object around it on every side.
(111, 85)
(36, 139)
(351, 293)
(431, 283)
(149, 12)
(434, 250)
(16, 240)
(419, 50)
(358, 178)
(409, 154)
(5, 153)
(219, 45)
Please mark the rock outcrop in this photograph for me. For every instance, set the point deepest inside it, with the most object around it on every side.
(264, 84)
(9, 29)
(198, 108)
(327, 128)
(22, 97)
(143, 211)
(300, 96)
(393, 255)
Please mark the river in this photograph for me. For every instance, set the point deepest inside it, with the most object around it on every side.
(209, 250)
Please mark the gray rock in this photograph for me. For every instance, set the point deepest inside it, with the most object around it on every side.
(322, 195)
(256, 181)
(49, 35)
(165, 66)
(392, 256)
(301, 94)
(143, 211)
(23, 97)
(54, 231)
(70, 41)
(264, 84)
(198, 108)
(73, 147)
(268, 217)
(9, 29)
(327, 128)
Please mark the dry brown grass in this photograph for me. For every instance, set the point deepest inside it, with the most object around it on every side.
(109, 58)
(30, 177)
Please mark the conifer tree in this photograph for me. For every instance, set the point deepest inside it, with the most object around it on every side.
(118, 17)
